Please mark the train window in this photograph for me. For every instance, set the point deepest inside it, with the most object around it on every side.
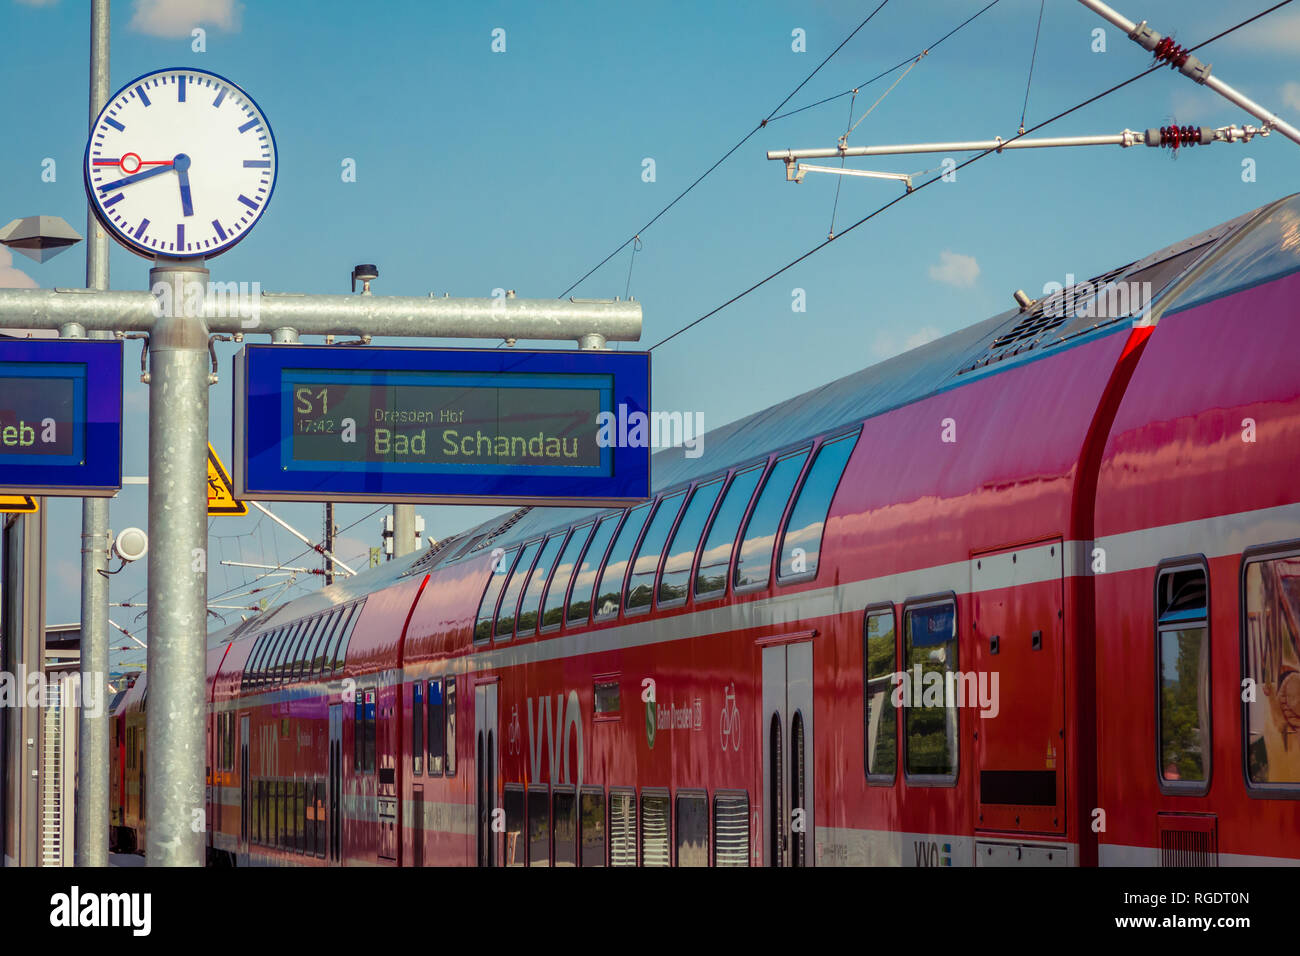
(258, 808)
(318, 804)
(300, 816)
(505, 625)
(553, 603)
(281, 816)
(929, 728)
(530, 604)
(516, 807)
(564, 826)
(314, 652)
(578, 610)
(250, 667)
(496, 582)
(686, 539)
(731, 829)
(539, 826)
(641, 582)
(591, 826)
(754, 565)
(285, 654)
(692, 829)
(879, 717)
(258, 656)
(302, 648)
(715, 558)
(622, 828)
(1183, 681)
(656, 825)
(1271, 659)
(272, 653)
(417, 728)
(435, 728)
(344, 626)
(609, 587)
(451, 726)
(358, 730)
(605, 699)
(801, 544)
(320, 656)
(368, 754)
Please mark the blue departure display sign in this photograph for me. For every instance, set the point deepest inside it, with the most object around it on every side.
(60, 417)
(484, 426)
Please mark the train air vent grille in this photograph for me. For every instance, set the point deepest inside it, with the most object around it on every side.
(1048, 314)
(432, 556)
(500, 529)
(1187, 840)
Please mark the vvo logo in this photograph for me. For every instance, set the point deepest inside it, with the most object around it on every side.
(929, 853)
(550, 734)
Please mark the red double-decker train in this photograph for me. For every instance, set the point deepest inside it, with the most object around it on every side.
(1027, 595)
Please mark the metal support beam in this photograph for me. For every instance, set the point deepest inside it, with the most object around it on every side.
(92, 791)
(408, 316)
(1191, 67)
(178, 593)
(1154, 137)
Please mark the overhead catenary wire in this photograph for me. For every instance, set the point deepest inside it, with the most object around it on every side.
(767, 119)
(1032, 59)
(976, 158)
(897, 66)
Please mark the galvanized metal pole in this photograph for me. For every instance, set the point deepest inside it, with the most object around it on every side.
(93, 737)
(403, 530)
(178, 516)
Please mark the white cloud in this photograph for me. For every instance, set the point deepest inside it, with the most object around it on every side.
(11, 277)
(176, 18)
(1291, 95)
(887, 346)
(955, 269)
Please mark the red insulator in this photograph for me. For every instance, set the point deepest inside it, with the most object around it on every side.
(1167, 51)
(1172, 137)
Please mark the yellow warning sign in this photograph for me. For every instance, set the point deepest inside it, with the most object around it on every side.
(19, 503)
(221, 495)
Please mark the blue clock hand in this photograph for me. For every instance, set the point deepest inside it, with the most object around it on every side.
(182, 166)
(156, 171)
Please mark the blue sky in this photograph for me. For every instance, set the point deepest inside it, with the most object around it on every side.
(523, 169)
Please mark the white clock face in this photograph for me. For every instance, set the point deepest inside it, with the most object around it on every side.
(180, 162)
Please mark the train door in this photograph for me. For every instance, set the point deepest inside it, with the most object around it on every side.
(386, 734)
(245, 804)
(787, 741)
(335, 795)
(485, 769)
(1019, 718)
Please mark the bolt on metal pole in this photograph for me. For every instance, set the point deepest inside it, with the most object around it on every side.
(178, 516)
(93, 738)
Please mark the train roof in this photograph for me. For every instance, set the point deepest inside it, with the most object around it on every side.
(1011, 338)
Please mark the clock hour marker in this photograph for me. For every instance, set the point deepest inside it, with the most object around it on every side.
(180, 88)
(115, 124)
(247, 202)
(180, 236)
(144, 224)
(108, 202)
(249, 125)
(220, 96)
(257, 164)
(220, 232)
(143, 97)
